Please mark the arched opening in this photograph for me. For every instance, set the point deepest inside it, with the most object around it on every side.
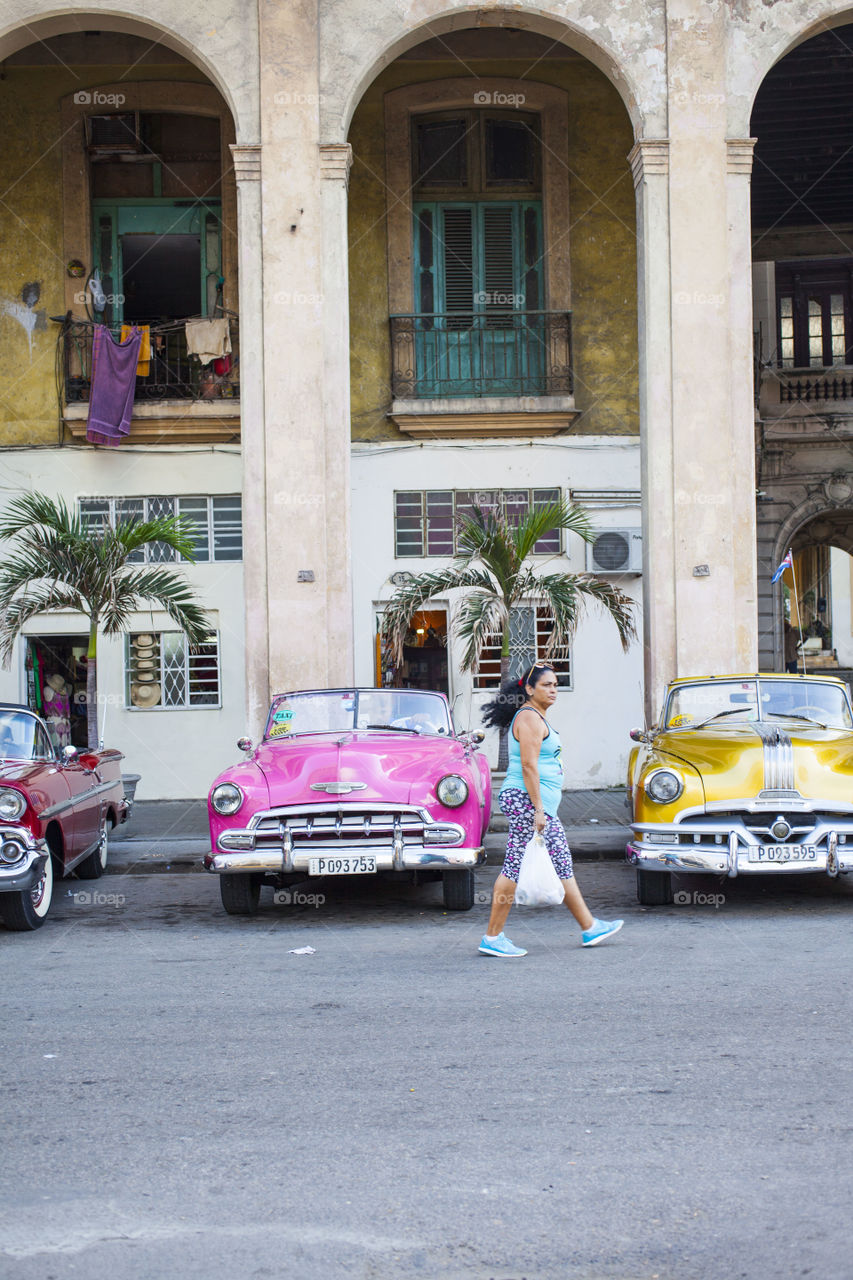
(493, 339)
(802, 236)
(816, 601)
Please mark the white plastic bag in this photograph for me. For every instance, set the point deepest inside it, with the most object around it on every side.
(538, 882)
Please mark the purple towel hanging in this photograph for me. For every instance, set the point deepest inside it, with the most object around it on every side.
(113, 383)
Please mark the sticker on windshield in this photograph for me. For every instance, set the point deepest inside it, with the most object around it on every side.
(278, 730)
(285, 713)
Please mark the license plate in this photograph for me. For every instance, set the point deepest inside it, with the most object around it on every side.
(356, 864)
(784, 853)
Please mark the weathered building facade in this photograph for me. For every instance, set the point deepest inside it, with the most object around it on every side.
(462, 254)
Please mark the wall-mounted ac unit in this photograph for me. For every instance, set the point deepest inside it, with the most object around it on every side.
(615, 551)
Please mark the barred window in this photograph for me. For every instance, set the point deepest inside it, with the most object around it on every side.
(425, 520)
(162, 672)
(218, 524)
(529, 631)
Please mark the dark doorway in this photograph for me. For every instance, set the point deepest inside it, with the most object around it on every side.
(161, 277)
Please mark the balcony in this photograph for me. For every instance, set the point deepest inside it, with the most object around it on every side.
(179, 399)
(483, 373)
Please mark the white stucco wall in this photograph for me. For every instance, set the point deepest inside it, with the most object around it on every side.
(177, 751)
(842, 623)
(606, 698)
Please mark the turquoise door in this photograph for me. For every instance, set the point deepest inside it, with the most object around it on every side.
(158, 260)
(478, 290)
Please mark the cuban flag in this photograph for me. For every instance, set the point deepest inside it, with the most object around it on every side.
(787, 563)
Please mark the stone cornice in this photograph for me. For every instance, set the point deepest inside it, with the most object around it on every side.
(247, 162)
(739, 159)
(649, 156)
(335, 161)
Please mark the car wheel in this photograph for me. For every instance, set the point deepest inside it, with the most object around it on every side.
(654, 888)
(240, 893)
(458, 888)
(25, 911)
(93, 867)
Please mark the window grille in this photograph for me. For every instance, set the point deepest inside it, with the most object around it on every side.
(529, 631)
(163, 673)
(425, 521)
(218, 524)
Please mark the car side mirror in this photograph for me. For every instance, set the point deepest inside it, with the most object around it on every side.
(244, 744)
(639, 735)
(477, 737)
(70, 753)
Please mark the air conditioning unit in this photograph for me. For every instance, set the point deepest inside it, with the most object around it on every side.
(615, 551)
(114, 135)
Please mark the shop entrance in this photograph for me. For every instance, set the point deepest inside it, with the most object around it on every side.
(424, 664)
(56, 685)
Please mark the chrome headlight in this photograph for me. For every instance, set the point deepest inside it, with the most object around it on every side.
(11, 851)
(452, 790)
(226, 798)
(12, 804)
(663, 786)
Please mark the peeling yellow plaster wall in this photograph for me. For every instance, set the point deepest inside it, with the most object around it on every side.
(603, 249)
(31, 238)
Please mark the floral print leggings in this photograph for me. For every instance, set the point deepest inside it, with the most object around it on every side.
(515, 803)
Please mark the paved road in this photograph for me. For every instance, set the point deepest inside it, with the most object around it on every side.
(183, 1097)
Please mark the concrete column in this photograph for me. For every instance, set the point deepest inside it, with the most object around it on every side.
(335, 163)
(741, 371)
(307, 359)
(650, 165)
(247, 170)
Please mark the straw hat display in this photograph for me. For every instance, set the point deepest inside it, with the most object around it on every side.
(58, 685)
(144, 664)
(143, 677)
(145, 695)
(144, 646)
(143, 639)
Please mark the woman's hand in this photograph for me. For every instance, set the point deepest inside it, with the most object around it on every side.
(540, 818)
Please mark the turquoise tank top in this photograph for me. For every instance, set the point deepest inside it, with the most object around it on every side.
(550, 767)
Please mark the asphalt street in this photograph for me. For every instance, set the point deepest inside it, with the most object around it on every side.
(184, 1097)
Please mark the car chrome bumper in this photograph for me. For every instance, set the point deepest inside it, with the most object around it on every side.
(275, 862)
(723, 849)
(26, 871)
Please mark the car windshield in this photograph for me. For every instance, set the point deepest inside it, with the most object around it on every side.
(21, 737)
(695, 704)
(333, 710)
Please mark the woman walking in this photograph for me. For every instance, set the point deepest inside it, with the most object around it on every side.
(530, 797)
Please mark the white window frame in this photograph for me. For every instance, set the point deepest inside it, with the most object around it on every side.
(213, 640)
(145, 556)
(506, 497)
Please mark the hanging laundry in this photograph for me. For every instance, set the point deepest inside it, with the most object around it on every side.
(143, 367)
(208, 339)
(113, 383)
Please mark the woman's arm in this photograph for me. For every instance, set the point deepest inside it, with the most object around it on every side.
(531, 731)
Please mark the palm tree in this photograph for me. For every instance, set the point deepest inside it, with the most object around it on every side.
(492, 569)
(58, 561)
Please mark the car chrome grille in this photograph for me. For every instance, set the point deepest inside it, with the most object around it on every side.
(760, 824)
(314, 827)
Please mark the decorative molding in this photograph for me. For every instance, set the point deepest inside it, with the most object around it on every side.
(649, 156)
(739, 158)
(247, 162)
(461, 425)
(168, 422)
(335, 161)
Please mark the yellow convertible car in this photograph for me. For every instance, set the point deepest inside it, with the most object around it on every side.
(744, 775)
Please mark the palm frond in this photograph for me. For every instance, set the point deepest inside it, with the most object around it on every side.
(415, 594)
(481, 615)
(540, 521)
(31, 509)
(164, 587)
(484, 535)
(39, 598)
(567, 596)
(177, 532)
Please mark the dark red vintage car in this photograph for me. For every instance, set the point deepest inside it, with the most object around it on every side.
(56, 810)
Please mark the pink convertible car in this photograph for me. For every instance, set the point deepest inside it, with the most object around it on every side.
(352, 782)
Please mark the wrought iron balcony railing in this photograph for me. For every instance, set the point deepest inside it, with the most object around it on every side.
(499, 353)
(796, 387)
(172, 373)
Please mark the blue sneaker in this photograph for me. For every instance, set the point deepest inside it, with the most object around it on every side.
(600, 930)
(500, 946)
